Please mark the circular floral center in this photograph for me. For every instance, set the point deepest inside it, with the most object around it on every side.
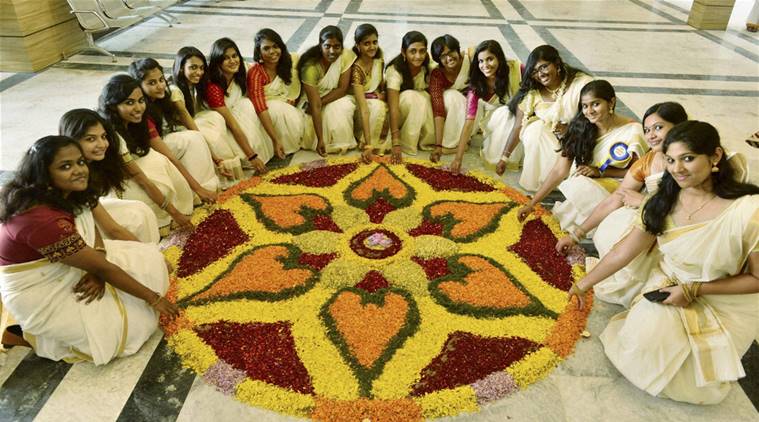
(376, 244)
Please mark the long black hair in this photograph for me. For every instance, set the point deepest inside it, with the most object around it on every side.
(700, 138)
(215, 59)
(314, 54)
(580, 139)
(285, 65)
(180, 80)
(161, 108)
(116, 91)
(670, 111)
(439, 44)
(107, 174)
(545, 53)
(362, 31)
(399, 62)
(479, 82)
(31, 184)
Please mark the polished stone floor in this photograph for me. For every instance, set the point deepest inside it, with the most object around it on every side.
(643, 47)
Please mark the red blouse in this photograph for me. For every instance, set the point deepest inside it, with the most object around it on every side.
(152, 130)
(39, 232)
(438, 84)
(257, 78)
(214, 95)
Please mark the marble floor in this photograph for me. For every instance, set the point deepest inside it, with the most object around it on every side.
(643, 47)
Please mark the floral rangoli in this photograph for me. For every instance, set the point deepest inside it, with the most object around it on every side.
(345, 291)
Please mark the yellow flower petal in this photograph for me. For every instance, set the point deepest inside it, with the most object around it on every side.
(407, 275)
(346, 217)
(427, 246)
(403, 219)
(318, 241)
(342, 273)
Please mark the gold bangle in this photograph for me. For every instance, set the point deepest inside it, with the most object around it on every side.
(100, 249)
(157, 300)
(576, 287)
(696, 288)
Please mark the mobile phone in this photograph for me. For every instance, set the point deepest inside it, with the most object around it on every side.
(656, 296)
(753, 143)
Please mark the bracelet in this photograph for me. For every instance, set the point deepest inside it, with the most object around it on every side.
(396, 144)
(574, 237)
(253, 157)
(100, 249)
(157, 300)
(505, 156)
(165, 203)
(575, 287)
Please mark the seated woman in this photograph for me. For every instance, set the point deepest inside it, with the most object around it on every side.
(369, 91)
(54, 264)
(547, 100)
(225, 94)
(492, 81)
(101, 150)
(411, 123)
(324, 70)
(602, 145)
(153, 178)
(688, 347)
(187, 149)
(188, 74)
(273, 87)
(448, 84)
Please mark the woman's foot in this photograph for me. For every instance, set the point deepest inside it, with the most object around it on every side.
(752, 27)
(14, 336)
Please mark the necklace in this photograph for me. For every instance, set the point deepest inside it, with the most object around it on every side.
(689, 216)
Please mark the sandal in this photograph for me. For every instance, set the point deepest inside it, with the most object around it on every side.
(14, 336)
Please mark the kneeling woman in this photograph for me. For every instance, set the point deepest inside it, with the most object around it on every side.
(687, 345)
(602, 145)
(273, 87)
(325, 72)
(54, 264)
(153, 178)
(107, 174)
(369, 91)
(411, 124)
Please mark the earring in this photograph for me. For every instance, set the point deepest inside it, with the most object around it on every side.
(715, 169)
(611, 112)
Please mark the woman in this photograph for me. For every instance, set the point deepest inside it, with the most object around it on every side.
(602, 145)
(187, 149)
(492, 81)
(189, 75)
(273, 87)
(101, 150)
(411, 123)
(324, 71)
(225, 94)
(153, 179)
(546, 101)
(688, 347)
(369, 91)
(448, 83)
(54, 264)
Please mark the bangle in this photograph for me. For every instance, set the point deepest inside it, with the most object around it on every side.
(505, 156)
(575, 287)
(696, 287)
(157, 300)
(165, 203)
(574, 237)
(253, 157)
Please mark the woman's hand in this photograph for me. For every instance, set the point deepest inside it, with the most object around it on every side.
(500, 168)
(456, 165)
(435, 156)
(258, 166)
(166, 308)
(89, 288)
(182, 221)
(367, 155)
(524, 212)
(396, 157)
(207, 196)
(588, 171)
(579, 294)
(630, 198)
(279, 150)
(676, 296)
(560, 129)
(564, 245)
(321, 149)
(220, 168)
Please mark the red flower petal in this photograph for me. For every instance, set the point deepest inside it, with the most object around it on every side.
(537, 247)
(373, 281)
(445, 180)
(211, 240)
(318, 177)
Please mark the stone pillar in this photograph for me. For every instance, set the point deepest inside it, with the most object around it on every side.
(36, 33)
(710, 14)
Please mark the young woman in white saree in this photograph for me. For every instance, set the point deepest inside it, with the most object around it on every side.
(54, 264)
(409, 104)
(547, 100)
(368, 89)
(101, 150)
(186, 148)
(225, 93)
(597, 151)
(684, 338)
(153, 179)
(325, 72)
(274, 87)
(493, 80)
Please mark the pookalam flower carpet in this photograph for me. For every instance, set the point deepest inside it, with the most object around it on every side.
(346, 291)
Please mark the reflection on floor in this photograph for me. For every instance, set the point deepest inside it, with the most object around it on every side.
(643, 47)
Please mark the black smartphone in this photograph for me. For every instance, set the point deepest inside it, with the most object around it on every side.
(753, 143)
(656, 296)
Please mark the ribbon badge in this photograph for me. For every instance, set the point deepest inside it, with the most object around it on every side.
(618, 153)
